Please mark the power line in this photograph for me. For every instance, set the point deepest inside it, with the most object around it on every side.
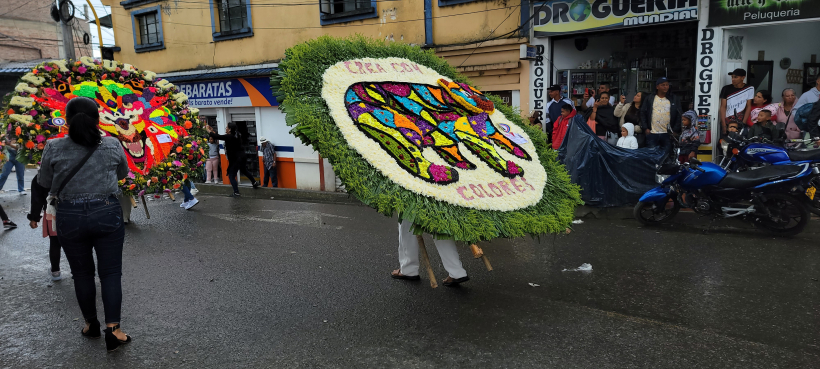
(488, 37)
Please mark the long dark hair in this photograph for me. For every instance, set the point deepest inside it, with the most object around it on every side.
(767, 96)
(235, 132)
(83, 121)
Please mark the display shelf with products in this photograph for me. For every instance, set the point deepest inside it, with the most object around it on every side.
(574, 82)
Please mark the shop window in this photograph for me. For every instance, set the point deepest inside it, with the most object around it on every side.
(231, 19)
(735, 50)
(341, 11)
(454, 2)
(147, 29)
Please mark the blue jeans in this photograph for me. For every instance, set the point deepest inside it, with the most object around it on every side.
(186, 190)
(270, 175)
(20, 168)
(84, 226)
(659, 139)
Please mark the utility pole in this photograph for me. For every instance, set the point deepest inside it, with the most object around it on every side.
(66, 11)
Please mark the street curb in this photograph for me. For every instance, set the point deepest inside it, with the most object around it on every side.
(621, 212)
(283, 194)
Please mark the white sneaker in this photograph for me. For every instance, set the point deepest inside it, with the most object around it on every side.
(191, 204)
(55, 276)
(184, 203)
(22, 193)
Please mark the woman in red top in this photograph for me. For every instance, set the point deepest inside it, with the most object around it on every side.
(762, 100)
(559, 128)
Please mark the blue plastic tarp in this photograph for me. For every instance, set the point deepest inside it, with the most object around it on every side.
(609, 176)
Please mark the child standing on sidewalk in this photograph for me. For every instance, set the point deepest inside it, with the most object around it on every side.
(212, 164)
(39, 195)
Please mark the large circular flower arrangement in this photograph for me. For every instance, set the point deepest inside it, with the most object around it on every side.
(161, 135)
(408, 135)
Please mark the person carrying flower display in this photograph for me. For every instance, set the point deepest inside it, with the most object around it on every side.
(20, 168)
(407, 135)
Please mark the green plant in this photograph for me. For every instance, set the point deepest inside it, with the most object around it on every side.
(297, 84)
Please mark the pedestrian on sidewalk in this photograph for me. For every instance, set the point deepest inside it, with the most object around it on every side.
(11, 149)
(212, 164)
(236, 155)
(627, 139)
(82, 172)
(409, 258)
(269, 159)
(689, 137)
(39, 195)
(7, 224)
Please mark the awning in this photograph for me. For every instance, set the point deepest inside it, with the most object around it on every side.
(104, 22)
(20, 67)
(258, 72)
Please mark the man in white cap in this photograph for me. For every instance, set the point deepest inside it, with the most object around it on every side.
(269, 159)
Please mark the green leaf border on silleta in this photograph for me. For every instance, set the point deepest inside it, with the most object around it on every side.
(297, 85)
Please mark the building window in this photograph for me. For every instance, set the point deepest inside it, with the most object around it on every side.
(147, 28)
(231, 19)
(341, 11)
(453, 2)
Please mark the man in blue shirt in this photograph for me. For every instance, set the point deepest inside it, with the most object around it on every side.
(554, 107)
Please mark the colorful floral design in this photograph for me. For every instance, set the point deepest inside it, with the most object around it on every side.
(433, 136)
(406, 118)
(461, 195)
(149, 116)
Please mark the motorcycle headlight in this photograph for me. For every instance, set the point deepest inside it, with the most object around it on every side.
(659, 178)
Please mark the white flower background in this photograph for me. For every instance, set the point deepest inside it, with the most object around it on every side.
(337, 79)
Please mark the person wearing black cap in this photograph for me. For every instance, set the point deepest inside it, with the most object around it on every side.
(735, 100)
(660, 113)
(554, 107)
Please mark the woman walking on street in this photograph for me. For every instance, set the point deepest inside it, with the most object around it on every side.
(39, 194)
(81, 172)
(236, 155)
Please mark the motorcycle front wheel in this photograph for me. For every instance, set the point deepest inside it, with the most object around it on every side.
(788, 216)
(654, 213)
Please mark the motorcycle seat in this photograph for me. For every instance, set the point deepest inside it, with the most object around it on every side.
(751, 178)
(808, 155)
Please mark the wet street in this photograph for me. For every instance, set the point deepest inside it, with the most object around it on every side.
(263, 283)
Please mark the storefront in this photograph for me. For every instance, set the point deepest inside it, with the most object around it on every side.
(776, 42)
(244, 97)
(627, 44)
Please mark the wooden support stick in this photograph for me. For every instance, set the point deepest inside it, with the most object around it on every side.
(426, 259)
(487, 263)
(145, 206)
(171, 195)
(479, 253)
(133, 203)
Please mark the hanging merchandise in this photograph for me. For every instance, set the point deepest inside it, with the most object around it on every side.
(159, 133)
(407, 135)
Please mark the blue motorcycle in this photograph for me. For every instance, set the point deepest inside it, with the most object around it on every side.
(753, 153)
(760, 196)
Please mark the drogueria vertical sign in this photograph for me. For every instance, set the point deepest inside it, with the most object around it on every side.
(568, 16)
(731, 12)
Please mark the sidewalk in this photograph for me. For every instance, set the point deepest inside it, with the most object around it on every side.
(285, 194)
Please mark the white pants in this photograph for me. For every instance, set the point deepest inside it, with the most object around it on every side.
(409, 253)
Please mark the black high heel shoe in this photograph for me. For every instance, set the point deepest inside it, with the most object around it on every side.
(93, 329)
(111, 341)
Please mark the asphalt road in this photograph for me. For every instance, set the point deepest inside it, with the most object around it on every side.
(259, 283)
